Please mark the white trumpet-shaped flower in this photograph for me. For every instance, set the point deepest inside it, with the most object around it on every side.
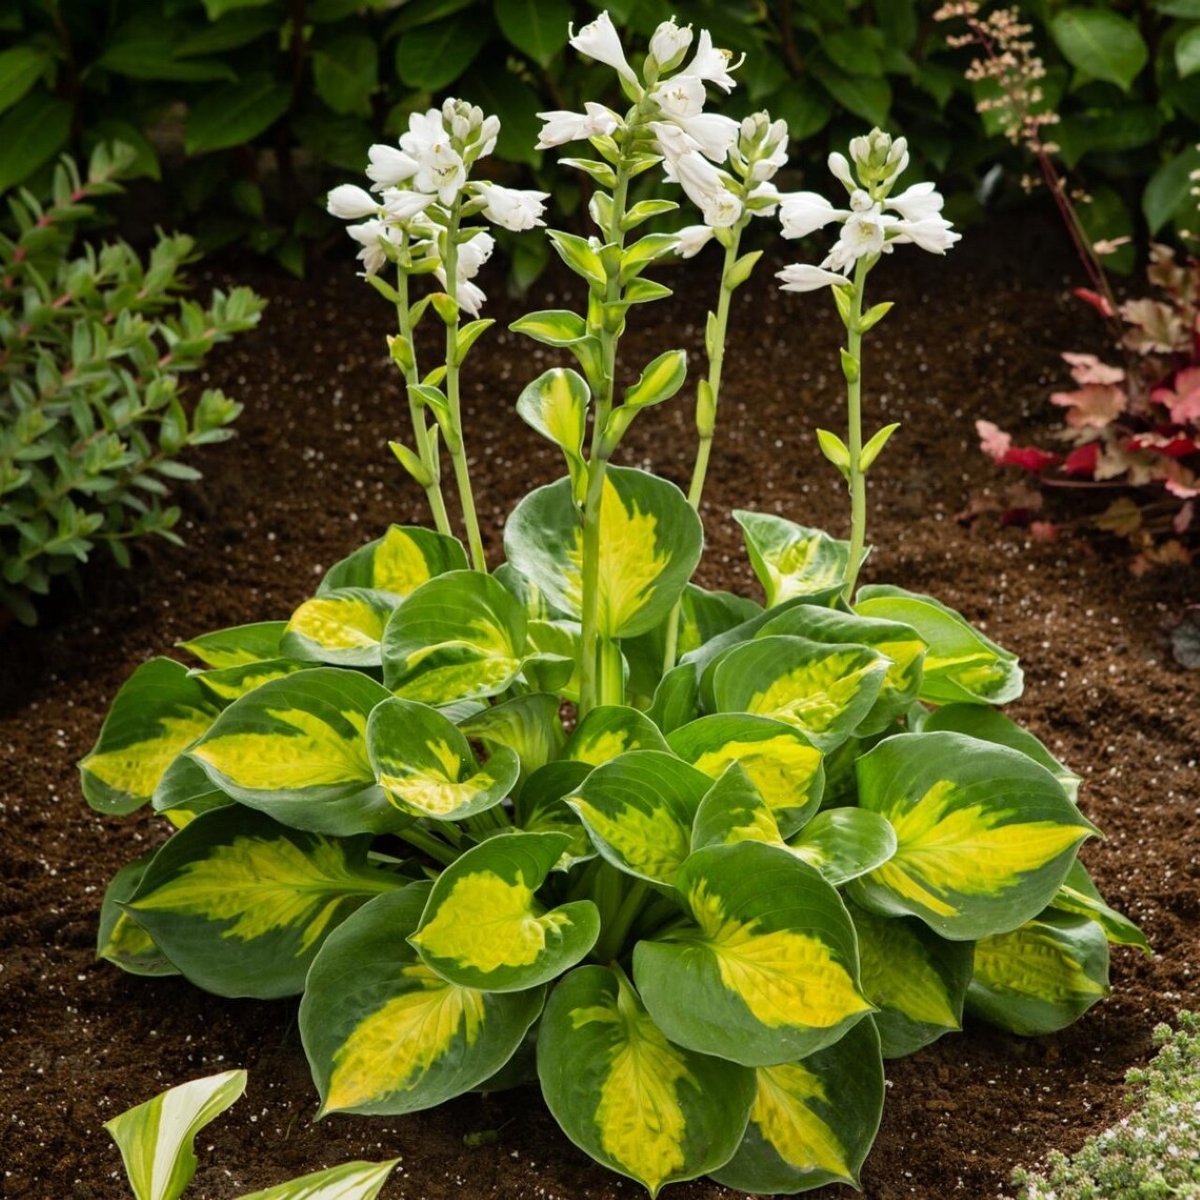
(471, 256)
(801, 277)
(562, 126)
(669, 44)
(712, 64)
(389, 166)
(599, 40)
(350, 203)
(918, 203)
(402, 206)
(373, 236)
(802, 213)
(693, 239)
(512, 208)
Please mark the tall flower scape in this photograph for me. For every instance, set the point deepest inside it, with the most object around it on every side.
(774, 844)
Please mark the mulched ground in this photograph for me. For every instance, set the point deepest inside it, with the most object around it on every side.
(310, 478)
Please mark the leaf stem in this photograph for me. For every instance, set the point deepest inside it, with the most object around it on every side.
(427, 843)
(856, 477)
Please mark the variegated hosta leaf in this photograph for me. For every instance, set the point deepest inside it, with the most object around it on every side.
(296, 749)
(237, 646)
(542, 808)
(1078, 894)
(528, 725)
(1041, 977)
(341, 626)
(789, 559)
(768, 974)
(156, 1138)
(484, 927)
(553, 665)
(159, 712)
(917, 979)
(399, 562)
(650, 542)
(610, 730)
(703, 615)
(900, 644)
(960, 664)
(979, 721)
(185, 791)
(350, 1181)
(824, 691)
(733, 810)
(676, 699)
(556, 404)
(386, 1035)
(459, 635)
(985, 835)
(427, 766)
(533, 600)
(784, 766)
(227, 684)
(844, 843)
(639, 810)
(120, 939)
(241, 904)
(812, 1121)
(625, 1095)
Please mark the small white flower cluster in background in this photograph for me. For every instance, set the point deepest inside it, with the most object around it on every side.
(424, 190)
(874, 222)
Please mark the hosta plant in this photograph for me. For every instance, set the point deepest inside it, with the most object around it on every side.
(156, 1140)
(93, 415)
(693, 863)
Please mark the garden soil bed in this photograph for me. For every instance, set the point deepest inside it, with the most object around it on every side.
(310, 478)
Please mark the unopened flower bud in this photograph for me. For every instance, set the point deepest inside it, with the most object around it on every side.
(669, 44)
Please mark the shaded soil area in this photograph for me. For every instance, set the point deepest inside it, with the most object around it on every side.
(310, 478)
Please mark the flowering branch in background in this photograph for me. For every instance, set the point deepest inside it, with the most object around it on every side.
(412, 216)
(873, 224)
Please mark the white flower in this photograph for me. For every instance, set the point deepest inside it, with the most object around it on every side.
(488, 132)
(513, 208)
(670, 43)
(350, 203)
(932, 233)
(863, 234)
(841, 170)
(372, 236)
(702, 182)
(713, 133)
(441, 172)
(404, 205)
(599, 40)
(471, 256)
(470, 297)
(561, 126)
(763, 200)
(425, 133)
(672, 141)
(389, 166)
(722, 211)
(917, 203)
(802, 213)
(712, 64)
(682, 96)
(800, 277)
(692, 240)
(862, 201)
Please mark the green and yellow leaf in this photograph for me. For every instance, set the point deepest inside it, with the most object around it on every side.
(650, 541)
(296, 749)
(789, 559)
(960, 664)
(343, 627)
(237, 646)
(825, 691)
(542, 808)
(1079, 895)
(813, 1121)
(528, 725)
(769, 971)
(158, 713)
(782, 763)
(610, 730)
(241, 904)
(384, 1034)
(459, 636)
(399, 562)
(631, 1099)
(916, 979)
(427, 767)
(984, 835)
(227, 684)
(120, 939)
(556, 404)
(484, 926)
(1039, 978)
(639, 810)
(349, 1181)
(156, 1139)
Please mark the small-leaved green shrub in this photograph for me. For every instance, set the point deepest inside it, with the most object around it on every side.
(1152, 1154)
(93, 342)
(771, 846)
(157, 1144)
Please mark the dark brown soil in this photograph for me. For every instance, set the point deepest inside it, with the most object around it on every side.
(310, 478)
